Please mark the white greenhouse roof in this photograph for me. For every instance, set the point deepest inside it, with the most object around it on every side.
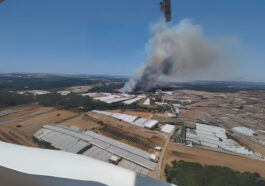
(69, 140)
(168, 128)
(244, 130)
(150, 124)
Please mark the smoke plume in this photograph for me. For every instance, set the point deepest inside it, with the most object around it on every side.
(175, 51)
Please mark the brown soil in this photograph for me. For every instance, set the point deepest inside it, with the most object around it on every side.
(146, 115)
(82, 121)
(32, 119)
(79, 89)
(13, 136)
(191, 114)
(30, 126)
(210, 94)
(162, 115)
(149, 136)
(34, 109)
(125, 141)
(206, 157)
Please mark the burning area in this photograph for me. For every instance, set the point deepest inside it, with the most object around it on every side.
(176, 51)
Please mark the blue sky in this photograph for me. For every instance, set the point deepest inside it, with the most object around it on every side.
(109, 37)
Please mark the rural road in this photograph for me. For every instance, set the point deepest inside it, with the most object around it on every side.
(159, 166)
(2, 122)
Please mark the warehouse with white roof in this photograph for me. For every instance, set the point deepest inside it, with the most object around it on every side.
(91, 144)
(134, 120)
(168, 128)
(215, 137)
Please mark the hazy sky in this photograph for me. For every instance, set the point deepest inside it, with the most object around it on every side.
(109, 37)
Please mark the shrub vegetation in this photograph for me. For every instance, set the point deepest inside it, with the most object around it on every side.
(194, 174)
(8, 99)
(86, 103)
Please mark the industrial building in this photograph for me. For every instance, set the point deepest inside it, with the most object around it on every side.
(134, 120)
(215, 137)
(176, 109)
(64, 92)
(131, 101)
(168, 128)
(147, 101)
(96, 146)
(114, 160)
(35, 92)
(127, 99)
(113, 98)
(244, 130)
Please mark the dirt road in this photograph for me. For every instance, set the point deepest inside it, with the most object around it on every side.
(159, 169)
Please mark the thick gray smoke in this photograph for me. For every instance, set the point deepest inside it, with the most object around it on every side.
(176, 51)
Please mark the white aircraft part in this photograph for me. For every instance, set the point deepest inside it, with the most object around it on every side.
(61, 164)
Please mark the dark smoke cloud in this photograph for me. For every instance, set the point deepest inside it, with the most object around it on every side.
(176, 51)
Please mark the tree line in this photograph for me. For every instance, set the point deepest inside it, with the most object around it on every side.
(194, 174)
(8, 99)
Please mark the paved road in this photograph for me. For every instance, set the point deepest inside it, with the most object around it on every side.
(159, 166)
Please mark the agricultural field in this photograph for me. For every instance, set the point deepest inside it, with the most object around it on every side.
(183, 108)
(24, 123)
(207, 157)
(13, 135)
(81, 121)
(78, 89)
(114, 126)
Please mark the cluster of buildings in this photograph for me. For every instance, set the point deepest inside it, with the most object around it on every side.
(147, 101)
(134, 120)
(215, 137)
(113, 98)
(91, 144)
(125, 98)
(167, 128)
(64, 92)
(244, 130)
(34, 92)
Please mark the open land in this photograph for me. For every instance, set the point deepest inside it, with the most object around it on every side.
(226, 110)
(82, 121)
(207, 157)
(79, 89)
(26, 122)
(146, 135)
